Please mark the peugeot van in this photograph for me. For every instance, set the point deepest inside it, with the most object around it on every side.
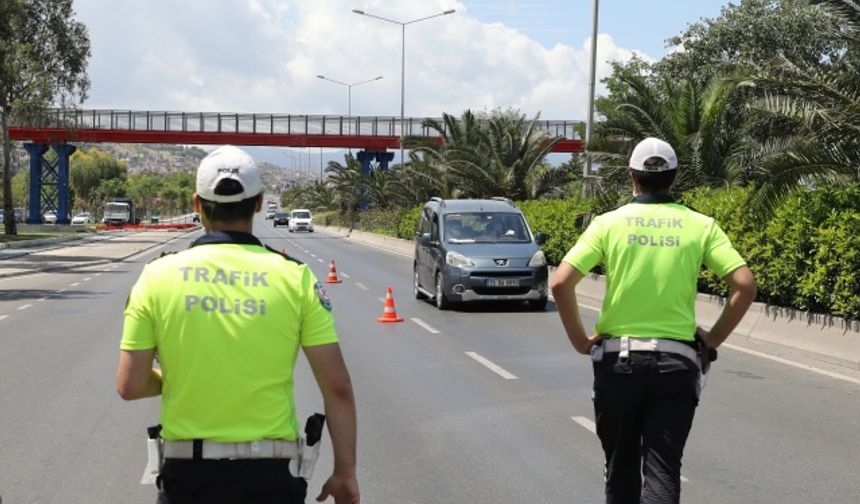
(478, 250)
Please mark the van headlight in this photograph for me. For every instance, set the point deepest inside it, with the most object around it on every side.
(539, 259)
(458, 260)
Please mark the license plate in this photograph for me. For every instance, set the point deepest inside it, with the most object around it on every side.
(503, 282)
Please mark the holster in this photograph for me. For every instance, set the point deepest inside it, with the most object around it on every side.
(155, 453)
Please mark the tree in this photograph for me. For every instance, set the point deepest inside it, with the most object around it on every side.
(808, 115)
(43, 60)
(91, 168)
(751, 33)
(488, 156)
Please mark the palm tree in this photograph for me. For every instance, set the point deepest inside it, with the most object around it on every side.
(810, 115)
(701, 123)
(491, 157)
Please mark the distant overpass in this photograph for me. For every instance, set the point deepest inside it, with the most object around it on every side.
(371, 133)
(61, 129)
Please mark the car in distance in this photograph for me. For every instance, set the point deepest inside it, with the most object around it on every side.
(82, 218)
(50, 217)
(195, 217)
(270, 213)
(281, 219)
(478, 250)
(301, 220)
(19, 214)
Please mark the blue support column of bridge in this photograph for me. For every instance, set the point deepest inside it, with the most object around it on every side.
(64, 207)
(34, 212)
(49, 182)
(371, 160)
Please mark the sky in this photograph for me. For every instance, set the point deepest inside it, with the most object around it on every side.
(264, 55)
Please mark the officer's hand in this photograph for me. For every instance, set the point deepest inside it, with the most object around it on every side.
(591, 341)
(344, 489)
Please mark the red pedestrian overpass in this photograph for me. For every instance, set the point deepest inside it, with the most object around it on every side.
(373, 136)
(270, 130)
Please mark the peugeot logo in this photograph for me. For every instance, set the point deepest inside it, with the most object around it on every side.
(501, 262)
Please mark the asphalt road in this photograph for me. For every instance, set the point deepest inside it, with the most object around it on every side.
(485, 404)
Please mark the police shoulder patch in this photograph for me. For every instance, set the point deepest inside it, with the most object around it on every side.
(323, 297)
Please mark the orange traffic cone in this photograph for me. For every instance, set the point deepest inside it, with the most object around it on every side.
(389, 314)
(332, 274)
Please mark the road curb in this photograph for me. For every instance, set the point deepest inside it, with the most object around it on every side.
(40, 241)
(95, 263)
(821, 337)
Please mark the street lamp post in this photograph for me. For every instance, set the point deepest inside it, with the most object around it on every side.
(349, 87)
(403, 63)
(589, 125)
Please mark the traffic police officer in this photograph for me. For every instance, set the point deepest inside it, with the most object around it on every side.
(227, 318)
(646, 359)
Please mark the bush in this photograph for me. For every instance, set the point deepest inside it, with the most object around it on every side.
(560, 220)
(806, 256)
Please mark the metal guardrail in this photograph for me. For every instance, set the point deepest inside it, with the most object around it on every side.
(217, 122)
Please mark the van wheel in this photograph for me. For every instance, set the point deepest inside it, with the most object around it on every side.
(416, 285)
(537, 304)
(441, 301)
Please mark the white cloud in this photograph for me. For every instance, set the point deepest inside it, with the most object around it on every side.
(264, 55)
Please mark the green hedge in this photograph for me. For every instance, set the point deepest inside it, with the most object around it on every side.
(807, 256)
(400, 223)
(559, 220)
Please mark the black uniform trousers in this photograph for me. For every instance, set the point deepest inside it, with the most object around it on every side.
(644, 410)
(257, 481)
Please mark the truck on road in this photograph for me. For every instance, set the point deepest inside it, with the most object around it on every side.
(119, 211)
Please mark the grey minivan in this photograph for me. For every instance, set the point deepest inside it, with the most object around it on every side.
(478, 250)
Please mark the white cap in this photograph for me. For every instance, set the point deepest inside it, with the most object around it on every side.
(653, 147)
(228, 162)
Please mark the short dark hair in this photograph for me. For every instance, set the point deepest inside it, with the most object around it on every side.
(229, 212)
(654, 182)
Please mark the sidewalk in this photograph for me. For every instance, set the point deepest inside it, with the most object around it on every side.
(820, 337)
(97, 250)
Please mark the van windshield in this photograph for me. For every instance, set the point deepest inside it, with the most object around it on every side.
(486, 227)
(301, 215)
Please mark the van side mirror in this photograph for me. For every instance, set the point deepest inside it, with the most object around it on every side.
(425, 239)
(540, 238)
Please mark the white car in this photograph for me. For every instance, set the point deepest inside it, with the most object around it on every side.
(49, 218)
(270, 214)
(82, 218)
(301, 220)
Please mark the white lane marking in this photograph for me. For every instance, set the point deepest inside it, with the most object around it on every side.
(798, 365)
(491, 366)
(314, 256)
(685, 479)
(585, 422)
(75, 284)
(319, 260)
(381, 299)
(344, 275)
(4, 317)
(61, 291)
(24, 307)
(98, 274)
(43, 299)
(361, 286)
(425, 325)
(87, 279)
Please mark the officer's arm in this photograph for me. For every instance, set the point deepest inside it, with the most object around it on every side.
(563, 285)
(742, 292)
(135, 377)
(333, 379)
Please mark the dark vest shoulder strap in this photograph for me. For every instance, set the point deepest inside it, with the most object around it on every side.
(282, 254)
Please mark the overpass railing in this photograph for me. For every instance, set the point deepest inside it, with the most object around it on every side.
(217, 122)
